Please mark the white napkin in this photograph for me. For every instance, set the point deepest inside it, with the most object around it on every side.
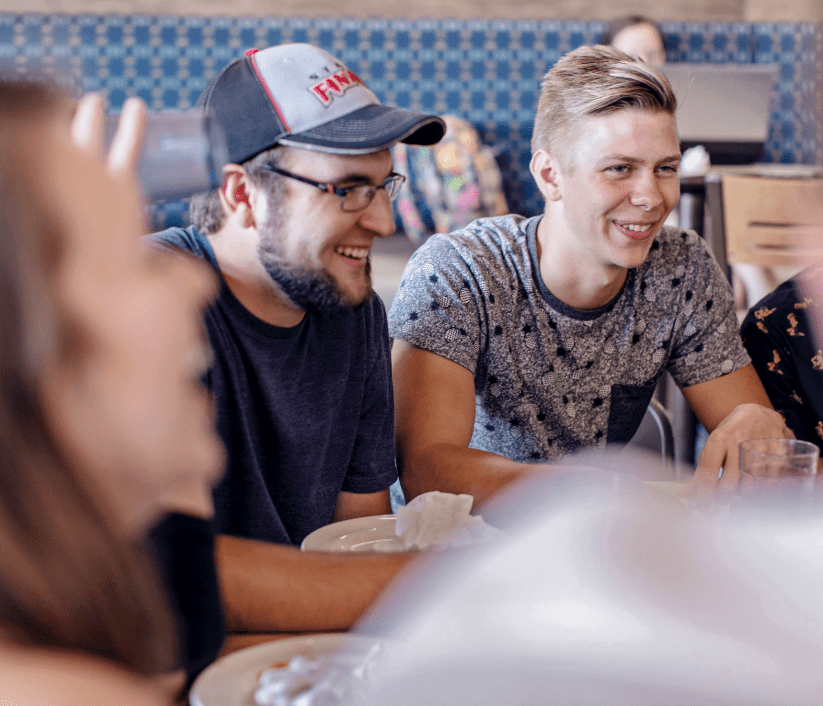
(337, 678)
(695, 162)
(438, 519)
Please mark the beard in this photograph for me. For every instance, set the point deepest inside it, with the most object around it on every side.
(309, 288)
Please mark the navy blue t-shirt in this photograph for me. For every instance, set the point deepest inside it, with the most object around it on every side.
(304, 412)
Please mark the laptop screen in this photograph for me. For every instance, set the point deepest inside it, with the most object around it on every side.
(724, 107)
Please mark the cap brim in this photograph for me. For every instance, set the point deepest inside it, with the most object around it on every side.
(370, 129)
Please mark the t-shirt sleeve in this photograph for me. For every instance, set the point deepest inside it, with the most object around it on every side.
(372, 467)
(707, 341)
(439, 305)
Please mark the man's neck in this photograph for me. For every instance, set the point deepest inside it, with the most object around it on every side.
(248, 280)
(569, 273)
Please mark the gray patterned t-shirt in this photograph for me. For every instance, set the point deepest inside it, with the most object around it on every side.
(550, 379)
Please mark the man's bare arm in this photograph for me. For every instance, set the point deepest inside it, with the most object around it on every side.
(434, 418)
(733, 408)
(274, 588)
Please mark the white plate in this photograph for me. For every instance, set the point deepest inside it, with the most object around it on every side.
(362, 534)
(377, 533)
(232, 680)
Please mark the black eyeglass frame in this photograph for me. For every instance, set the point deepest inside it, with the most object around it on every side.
(391, 184)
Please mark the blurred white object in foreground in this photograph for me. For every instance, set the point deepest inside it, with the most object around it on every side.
(609, 593)
(328, 680)
(438, 519)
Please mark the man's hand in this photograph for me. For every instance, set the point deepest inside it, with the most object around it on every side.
(746, 421)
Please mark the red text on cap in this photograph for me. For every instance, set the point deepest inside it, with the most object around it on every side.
(335, 84)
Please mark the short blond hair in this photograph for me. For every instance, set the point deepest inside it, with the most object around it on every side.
(592, 81)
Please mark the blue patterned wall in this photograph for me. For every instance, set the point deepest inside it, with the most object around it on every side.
(486, 71)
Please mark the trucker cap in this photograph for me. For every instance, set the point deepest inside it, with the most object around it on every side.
(300, 95)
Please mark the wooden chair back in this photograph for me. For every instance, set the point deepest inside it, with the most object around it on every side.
(771, 221)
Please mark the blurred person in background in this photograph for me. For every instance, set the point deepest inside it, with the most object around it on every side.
(448, 185)
(637, 36)
(519, 340)
(106, 426)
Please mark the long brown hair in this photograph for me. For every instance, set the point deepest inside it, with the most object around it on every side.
(67, 578)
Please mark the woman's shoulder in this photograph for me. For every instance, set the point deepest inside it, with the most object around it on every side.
(62, 678)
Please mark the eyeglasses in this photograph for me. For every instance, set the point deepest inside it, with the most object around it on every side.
(352, 198)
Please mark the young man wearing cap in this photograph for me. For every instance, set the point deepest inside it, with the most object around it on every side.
(301, 373)
(519, 341)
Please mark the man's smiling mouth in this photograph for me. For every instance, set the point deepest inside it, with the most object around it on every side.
(636, 227)
(352, 253)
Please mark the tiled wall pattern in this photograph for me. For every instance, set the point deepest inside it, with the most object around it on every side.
(486, 71)
(693, 10)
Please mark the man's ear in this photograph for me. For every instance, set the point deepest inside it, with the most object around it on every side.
(235, 195)
(545, 170)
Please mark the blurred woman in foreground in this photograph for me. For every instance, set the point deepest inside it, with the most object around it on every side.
(103, 422)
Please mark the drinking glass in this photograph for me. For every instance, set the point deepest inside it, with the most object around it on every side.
(183, 153)
(779, 460)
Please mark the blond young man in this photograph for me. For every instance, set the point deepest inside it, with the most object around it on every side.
(521, 340)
